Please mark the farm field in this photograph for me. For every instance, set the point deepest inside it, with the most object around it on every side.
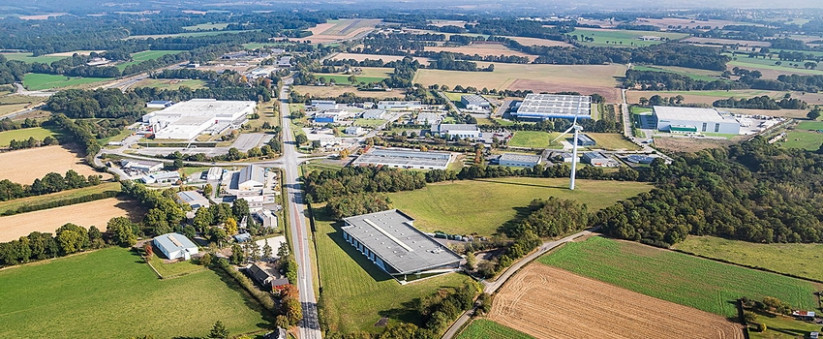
(207, 26)
(172, 84)
(664, 23)
(548, 302)
(538, 42)
(145, 55)
(675, 144)
(612, 141)
(810, 125)
(484, 328)
(621, 38)
(586, 79)
(696, 74)
(768, 67)
(23, 166)
(356, 293)
(169, 270)
(24, 134)
(113, 306)
(683, 279)
(807, 140)
(700, 97)
(40, 81)
(368, 75)
(339, 30)
(444, 206)
(93, 213)
(481, 49)
(729, 42)
(11, 108)
(334, 91)
(784, 258)
(385, 58)
(532, 139)
(15, 204)
(190, 34)
(29, 58)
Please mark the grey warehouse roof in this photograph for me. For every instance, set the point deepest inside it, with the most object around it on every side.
(690, 113)
(403, 158)
(173, 242)
(252, 172)
(391, 236)
(520, 157)
(474, 99)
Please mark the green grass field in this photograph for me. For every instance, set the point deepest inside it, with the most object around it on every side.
(206, 27)
(356, 293)
(807, 140)
(634, 109)
(172, 84)
(38, 133)
(780, 327)
(612, 141)
(369, 122)
(810, 126)
(145, 55)
(695, 74)
(367, 75)
(12, 205)
(621, 38)
(771, 64)
(27, 57)
(683, 279)
(784, 258)
(487, 329)
(533, 139)
(481, 206)
(40, 81)
(174, 269)
(113, 293)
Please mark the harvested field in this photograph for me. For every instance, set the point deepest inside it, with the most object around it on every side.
(713, 41)
(334, 91)
(339, 30)
(586, 79)
(539, 42)
(548, 302)
(664, 23)
(482, 50)
(96, 213)
(24, 166)
(385, 58)
(690, 144)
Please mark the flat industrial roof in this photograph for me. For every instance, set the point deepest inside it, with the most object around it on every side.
(520, 157)
(391, 236)
(556, 105)
(690, 113)
(404, 158)
(174, 242)
(458, 127)
(474, 99)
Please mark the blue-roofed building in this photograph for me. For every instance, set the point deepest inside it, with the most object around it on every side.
(321, 118)
(175, 246)
(242, 237)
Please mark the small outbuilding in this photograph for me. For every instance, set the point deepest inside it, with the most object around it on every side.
(175, 246)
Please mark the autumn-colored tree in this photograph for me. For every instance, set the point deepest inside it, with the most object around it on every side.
(231, 226)
(148, 249)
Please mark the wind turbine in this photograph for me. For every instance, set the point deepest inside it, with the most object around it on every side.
(577, 128)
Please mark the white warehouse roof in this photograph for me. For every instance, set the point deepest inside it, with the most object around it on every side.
(690, 113)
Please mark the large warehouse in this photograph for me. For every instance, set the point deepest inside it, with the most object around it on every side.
(404, 158)
(188, 119)
(548, 106)
(694, 120)
(390, 240)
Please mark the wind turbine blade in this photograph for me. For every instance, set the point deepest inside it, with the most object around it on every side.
(562, 134)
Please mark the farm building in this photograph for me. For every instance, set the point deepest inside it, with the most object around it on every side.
(188, 119)
(549, 106)
(404, 158)
(584, 140)
(140, 166)
(175, 246)
(694, 120)
(650, 38)
(640, 159)
(158, 104)
(475, 103)
(598, 159)
(265, 276)
(399, 105)
(252, 177)
(519, 160)
(193, 199)
(390, 240)
(235, 56)
(463, 131)
(374, 114)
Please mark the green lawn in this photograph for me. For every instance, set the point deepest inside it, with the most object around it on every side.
(621, 38)
(27, 57)
(771, 64)
(803, 139)
(38, 133)
(113, 293)
(532, 139)
(145, 55)
(779, 327)
(634, 109)
(356, 293)
(810, 125)
(206, 27)
(369, 122)
(481, 206)
(687, 280)
(486, 329)
(454, 96)
(612, 141)
(40, 81)
(171, 270)
(784, 258)
(12, 205)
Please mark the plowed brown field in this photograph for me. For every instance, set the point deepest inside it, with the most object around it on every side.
(548, 302)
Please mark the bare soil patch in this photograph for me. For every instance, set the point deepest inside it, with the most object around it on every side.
(482, 50)
(23, 166)
(548, 302)
(611, 94)
(94, 213)
(339, 30)
(691, 144)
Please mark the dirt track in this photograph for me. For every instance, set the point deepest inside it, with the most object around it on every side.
(548, 302)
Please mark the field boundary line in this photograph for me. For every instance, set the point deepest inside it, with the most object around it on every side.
(724, 261)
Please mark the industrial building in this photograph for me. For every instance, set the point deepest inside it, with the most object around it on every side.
(215, 174)
(323, 104)
(193, 199)
(694, 120)
(598, 159)
(266, 218)
(188, 119)
(251, 178)
(463, 131)
(374, 114)
(584, 140)
(164, 177)
(175, 246)
(399, 105)
(519, 160)
(404, 158)
(475, 103)
(390, 240)
(140, 167)
(567, 157)
(554, 106)
(428, 118)
(158, 104)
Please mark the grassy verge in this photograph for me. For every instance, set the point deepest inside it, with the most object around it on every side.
(483, 328)
(683, 279)
(171, 270)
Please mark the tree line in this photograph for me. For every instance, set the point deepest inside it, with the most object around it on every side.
(50, 183)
